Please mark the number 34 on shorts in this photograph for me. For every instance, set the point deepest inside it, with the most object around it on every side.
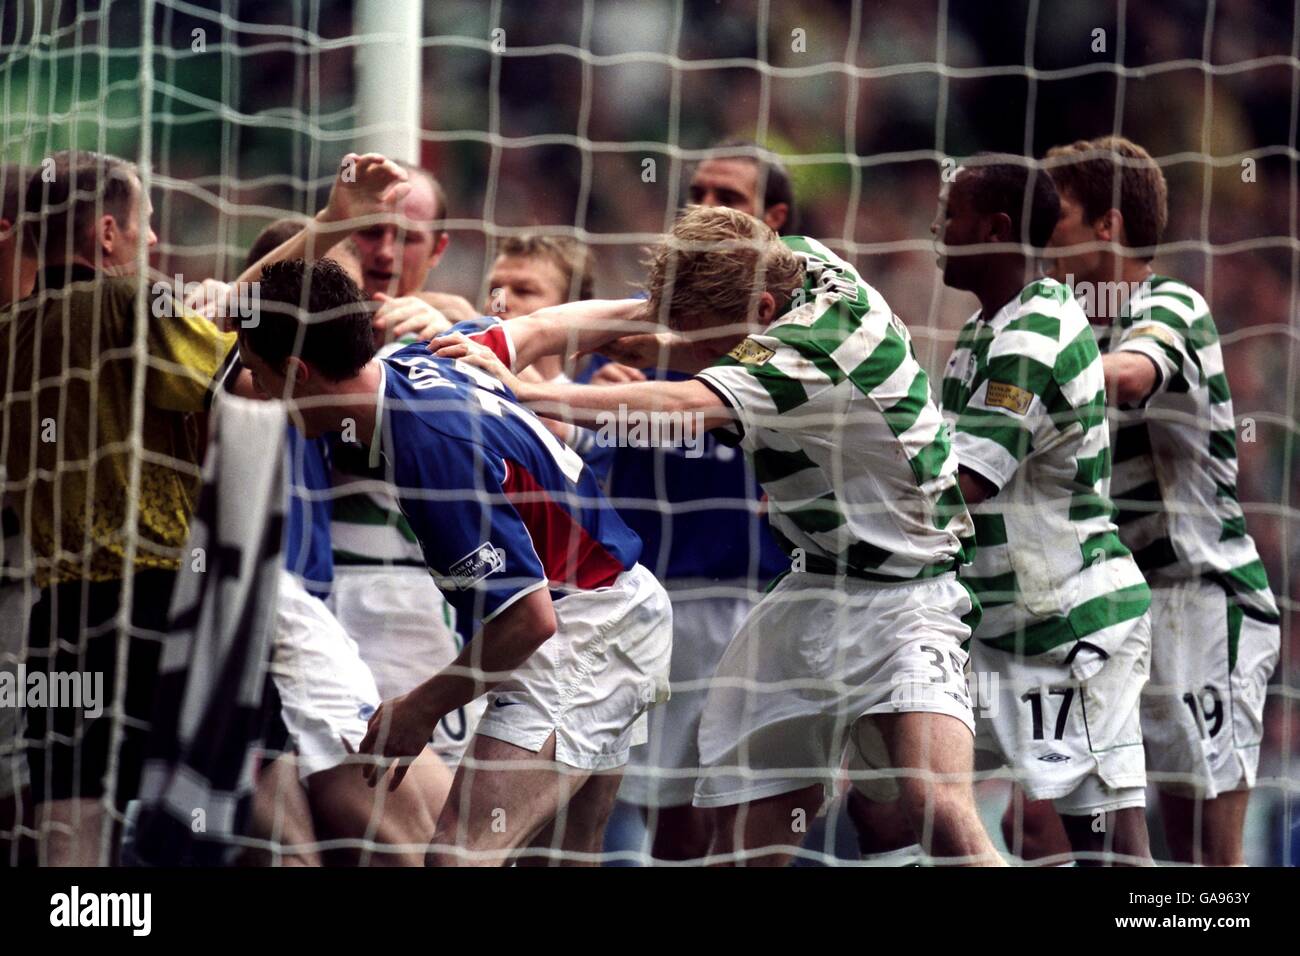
(933, 668)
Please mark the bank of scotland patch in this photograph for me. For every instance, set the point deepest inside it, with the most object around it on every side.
(1011, 397)
(474, 567)
(750, 352)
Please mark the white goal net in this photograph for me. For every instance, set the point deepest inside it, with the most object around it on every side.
(566, 139)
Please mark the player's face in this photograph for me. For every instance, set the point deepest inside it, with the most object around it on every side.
(726, 182)
(130, 230)
(1073, 229)
(269, 383)
(396, 256)
(520, 285)
(957, 224)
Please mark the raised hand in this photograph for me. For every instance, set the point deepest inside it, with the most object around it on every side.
(366, 185)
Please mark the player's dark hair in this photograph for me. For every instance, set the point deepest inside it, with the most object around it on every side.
(777, 187)
(315, 312)
(1113, 172)
(1002, 184)
(272, 237)
(80, 186)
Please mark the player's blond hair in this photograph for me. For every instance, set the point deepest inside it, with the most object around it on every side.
(714, 267)
(571, 257)
(1113, 172)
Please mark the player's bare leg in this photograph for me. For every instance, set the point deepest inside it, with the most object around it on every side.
(282, 817)
(882, 827)
(1120, 839)
(939, 802)
(71, 833)
(1033, 830)
(579, 826)
(1206, 832)
(493, 811)
(680, 833)
(767, 825)
(345, 807)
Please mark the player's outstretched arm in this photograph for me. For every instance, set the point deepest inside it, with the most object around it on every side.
(591, 405)
(402, 726)
(582, 326)
(366, 186)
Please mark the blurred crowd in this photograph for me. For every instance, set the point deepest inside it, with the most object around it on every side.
(863, 102)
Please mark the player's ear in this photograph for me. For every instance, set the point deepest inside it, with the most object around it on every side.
(776, 216)
(1110, 227)
(998, 229)
(766, 309)
(440, 242)
(297, 374)
(107, 233)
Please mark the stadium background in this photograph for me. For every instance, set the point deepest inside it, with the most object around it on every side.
(552, 134)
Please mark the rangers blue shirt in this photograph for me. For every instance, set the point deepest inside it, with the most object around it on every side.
(698, 518)
(500, 506)
(307, 551)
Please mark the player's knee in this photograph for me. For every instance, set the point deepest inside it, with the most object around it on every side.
(939, 803)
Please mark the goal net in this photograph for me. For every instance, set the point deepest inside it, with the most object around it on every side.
(566, 138)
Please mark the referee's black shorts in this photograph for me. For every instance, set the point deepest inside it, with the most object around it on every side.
(73, 631)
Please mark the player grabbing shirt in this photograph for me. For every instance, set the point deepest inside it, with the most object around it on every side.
(572, 636)
(814, 376)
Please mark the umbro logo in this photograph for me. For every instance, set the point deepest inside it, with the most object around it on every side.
(1053, 757)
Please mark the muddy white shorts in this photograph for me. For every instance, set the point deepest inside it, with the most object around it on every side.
(662, 772)
(1075, 742)
(1203, 710)
(326, 692)
(405, 631)
(815, 655)
(592, 683)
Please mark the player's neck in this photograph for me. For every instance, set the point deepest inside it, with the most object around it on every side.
(1117, 268)
(357, 400)
(1003, 281)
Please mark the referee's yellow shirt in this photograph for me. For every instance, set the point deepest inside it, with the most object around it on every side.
(67, 373)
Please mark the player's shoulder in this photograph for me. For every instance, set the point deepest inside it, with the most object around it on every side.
(1040, 322)
(413, 370)
(480, 323)
(1047, 321)
(1170, 299)
(1054, 303)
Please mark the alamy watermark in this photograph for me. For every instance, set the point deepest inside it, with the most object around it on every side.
(40, 689)
(1106, 300)
(636, 429)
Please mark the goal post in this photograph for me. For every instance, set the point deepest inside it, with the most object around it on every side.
(388, 78)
